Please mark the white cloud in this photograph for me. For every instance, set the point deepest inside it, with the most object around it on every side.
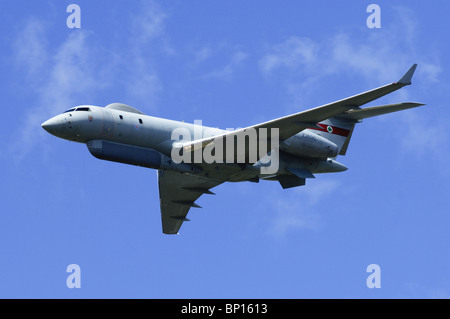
(290, 217)
(149, 24)
(293, 53)
(228, 70)
(423, 137)
(298, 208)
(381, 56)
(57, 78)
(30, 47)
(146, 39)
(76, 70)
(202, 54)
(378, 58)
(319, 189)
(305, 58)
(305, 64)
(369, 60)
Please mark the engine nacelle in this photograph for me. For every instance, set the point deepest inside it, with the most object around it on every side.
(309, 144)
(135, 155)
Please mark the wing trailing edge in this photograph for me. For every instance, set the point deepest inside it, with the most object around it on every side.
(292, 124)
(177, 194)
(359, 114)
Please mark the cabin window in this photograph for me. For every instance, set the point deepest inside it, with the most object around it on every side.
(140, 121)
(86, 109)
(121, 117)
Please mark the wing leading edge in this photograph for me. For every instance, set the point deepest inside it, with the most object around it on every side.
(177, 194)
(295, 123)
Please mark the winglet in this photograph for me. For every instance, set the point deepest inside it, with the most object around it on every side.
(406, 79)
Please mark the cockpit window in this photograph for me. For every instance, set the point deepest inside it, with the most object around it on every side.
(82, 109)
(69, 110)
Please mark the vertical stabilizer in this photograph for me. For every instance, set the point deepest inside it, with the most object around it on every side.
(337, 130)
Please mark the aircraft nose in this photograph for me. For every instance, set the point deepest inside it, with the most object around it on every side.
(47, 125)
(52, 126)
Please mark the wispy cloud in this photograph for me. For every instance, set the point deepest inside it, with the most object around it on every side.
(30, 48)
(57, 78)
(229, 69)
(298, 208)
(291, 54)
(147, 37)
(77, 69)
(305, 64)
(423, 137)
(377, 58)
(202, 54)
(149, 24)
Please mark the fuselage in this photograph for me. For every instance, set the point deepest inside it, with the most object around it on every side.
(123, 134)
(288, 149)
(87, 122)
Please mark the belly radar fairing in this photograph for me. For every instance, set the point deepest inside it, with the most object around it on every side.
(300, 144)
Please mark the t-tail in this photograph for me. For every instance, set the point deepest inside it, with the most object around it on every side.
(339, 129)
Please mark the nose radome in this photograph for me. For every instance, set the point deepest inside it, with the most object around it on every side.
(52, 125)
(47, 125)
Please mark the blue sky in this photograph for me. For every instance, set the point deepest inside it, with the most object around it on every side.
(229, 64)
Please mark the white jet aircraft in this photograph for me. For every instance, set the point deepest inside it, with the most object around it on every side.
(306, 143)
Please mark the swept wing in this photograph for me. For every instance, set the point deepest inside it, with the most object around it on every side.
(177, 194)
(292, 124)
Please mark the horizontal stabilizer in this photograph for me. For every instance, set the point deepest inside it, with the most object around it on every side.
(302, 173)
(288, 181)
(359, 114)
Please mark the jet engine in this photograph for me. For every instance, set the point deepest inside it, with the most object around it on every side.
(309, 144)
